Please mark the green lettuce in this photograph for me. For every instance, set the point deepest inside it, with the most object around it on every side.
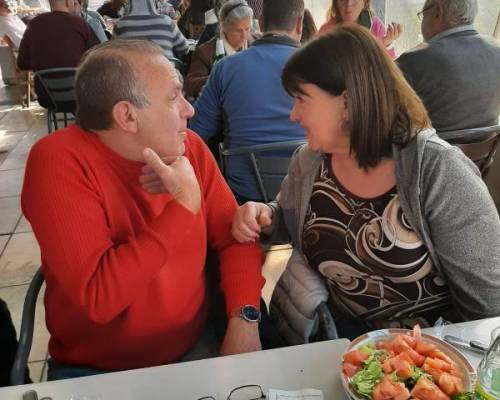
(367, 378)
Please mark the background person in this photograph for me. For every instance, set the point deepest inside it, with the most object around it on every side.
(456, 71)
(235, 24)
(360, 12)
(244, 101)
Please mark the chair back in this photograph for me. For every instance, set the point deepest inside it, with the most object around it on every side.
(479, 144)
(59, 84)
(269, 162)
(26, 333)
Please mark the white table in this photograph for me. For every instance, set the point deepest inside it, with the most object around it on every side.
(473, 330)
(314, 365)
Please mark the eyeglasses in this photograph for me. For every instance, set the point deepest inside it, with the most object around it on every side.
(246, 392)
(420, 14)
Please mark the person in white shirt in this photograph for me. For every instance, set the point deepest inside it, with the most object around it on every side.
(11, 27)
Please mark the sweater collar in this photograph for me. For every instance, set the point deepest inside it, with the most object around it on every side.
(272, 38)
(142, 7)
(448, 32)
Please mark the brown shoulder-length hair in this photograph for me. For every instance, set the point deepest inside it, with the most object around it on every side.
(383, 109)
(333, 12)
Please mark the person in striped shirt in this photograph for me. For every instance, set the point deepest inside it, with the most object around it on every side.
(143, 21)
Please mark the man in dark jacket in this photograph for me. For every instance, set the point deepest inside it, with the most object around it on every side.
(456, 72)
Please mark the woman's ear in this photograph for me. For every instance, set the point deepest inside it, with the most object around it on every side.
(346, 105)
(125, 116)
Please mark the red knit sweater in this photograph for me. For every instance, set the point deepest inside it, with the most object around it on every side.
(125, 269)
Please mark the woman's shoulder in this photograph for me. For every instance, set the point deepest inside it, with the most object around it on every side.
(435, 158)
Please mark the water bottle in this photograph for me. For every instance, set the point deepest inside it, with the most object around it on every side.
(488, 373)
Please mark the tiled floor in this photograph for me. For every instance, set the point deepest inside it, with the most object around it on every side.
(19, 252)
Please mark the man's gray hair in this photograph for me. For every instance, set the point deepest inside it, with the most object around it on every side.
(234, 11)
(105, 77)
(457, 12)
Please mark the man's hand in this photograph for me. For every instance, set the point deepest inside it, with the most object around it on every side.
(393, 32)
(249, 219)
(241, 337)
(177, 178)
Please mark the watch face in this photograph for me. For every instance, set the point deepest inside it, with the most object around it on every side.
(250, 313)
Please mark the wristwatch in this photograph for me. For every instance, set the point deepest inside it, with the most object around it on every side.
(249, 313)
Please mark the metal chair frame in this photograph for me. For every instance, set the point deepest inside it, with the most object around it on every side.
(479, 144)
(257, 157)
(26, 333)
(58, 89)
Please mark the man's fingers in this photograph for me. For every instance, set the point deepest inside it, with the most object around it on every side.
(156, 190)
(152, 177)
(153, 160)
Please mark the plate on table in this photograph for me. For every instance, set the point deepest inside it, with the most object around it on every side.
(398, 359)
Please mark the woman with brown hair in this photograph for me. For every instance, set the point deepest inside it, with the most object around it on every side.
(392, 222)
(361, 12)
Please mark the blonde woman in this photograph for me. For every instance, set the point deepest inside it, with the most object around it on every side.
(360, 12)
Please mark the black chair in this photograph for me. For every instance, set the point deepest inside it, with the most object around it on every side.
(269, 162)
(58, 84)
(479, 144)
(17, 374)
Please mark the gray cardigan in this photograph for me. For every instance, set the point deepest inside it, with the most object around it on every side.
(447, 204)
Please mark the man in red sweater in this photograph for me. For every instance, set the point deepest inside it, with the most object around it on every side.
(123, 205)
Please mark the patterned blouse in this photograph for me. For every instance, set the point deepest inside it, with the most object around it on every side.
(378, 271)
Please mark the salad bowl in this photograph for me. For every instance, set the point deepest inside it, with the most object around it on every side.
(376, 338)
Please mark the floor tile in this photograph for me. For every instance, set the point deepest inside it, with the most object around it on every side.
(3, 241)
(20, 260)
(11, 182)
(3, 156)
(14, 297)
(8, 140)
(272, 269)
(23, 226)
(36, 370)
(17, 120)
(10, 211)
(16, 159)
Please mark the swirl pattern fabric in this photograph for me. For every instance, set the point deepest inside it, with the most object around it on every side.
(376, 267)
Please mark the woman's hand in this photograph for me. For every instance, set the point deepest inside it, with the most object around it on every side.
(249, 219)
(394, 31)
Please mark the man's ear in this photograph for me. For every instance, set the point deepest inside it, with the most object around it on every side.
(125, 116)
(299, 25)
(439, 13)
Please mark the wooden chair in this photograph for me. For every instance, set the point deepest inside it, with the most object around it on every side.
(479, 144)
